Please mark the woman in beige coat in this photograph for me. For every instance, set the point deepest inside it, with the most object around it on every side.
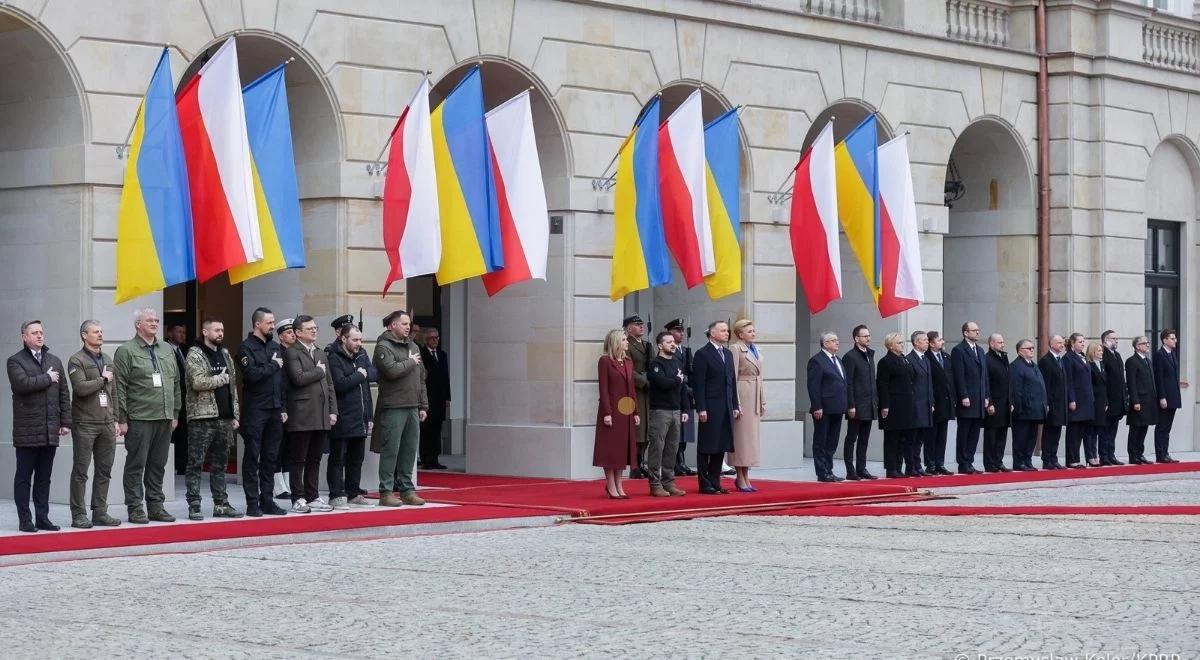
(748, 372)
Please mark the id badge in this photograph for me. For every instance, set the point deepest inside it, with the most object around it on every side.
(156, 378)
(104, 399)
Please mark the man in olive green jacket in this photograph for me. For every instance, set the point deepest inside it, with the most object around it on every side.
(148, 400)
(93, 427)
(400, 408)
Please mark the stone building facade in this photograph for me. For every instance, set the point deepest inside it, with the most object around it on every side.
(958, 75)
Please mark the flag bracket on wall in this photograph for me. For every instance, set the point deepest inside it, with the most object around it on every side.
(123, 148)
(377, 166)
(606, 181)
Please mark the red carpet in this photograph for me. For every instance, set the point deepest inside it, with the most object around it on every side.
(887, 510)
(1042, 475)
(443, 479)
(131, 535)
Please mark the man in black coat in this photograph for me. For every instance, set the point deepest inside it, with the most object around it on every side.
(995, 424)
(862, 403)
(922, 437)
(683, 356)
(176, 336)
(437, 385)
(1027, 395)
(1143, 399)
(716, 406)
(1055, 376)
(41, 415)
(895, 381)
(827, 404)
(1166, 375)
(943, 404)
(1118, 398)
(264, 410)
(971, 394)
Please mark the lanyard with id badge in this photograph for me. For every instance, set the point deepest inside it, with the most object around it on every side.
(156, 377)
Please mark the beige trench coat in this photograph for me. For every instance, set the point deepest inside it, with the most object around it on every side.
(748, 372)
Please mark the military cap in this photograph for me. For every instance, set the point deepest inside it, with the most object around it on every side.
(344, 319)
(676, 324)
(285, 324)
(632, 319)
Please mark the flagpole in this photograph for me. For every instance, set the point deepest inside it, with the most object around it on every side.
(123, 148)
(780, 195)
(377, 166)
(605, 182)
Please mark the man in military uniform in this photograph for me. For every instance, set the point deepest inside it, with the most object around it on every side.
(683, 355)
(640, 353)
(264, 410)
(93, 428)
(148, 402)
(212, 408)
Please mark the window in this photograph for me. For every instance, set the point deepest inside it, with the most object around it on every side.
(1162, 278)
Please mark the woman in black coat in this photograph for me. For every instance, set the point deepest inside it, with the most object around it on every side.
(352, 373)
(894, 378)
(997, 417)
(1091, 440)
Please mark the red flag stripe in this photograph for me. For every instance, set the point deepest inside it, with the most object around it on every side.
(516, 266)
(678, 226)
(397, 194)
(808, 243)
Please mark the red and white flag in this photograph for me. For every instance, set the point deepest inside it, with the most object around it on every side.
(412, 232)
(901, 282)
(683, 189)
(212, 122)
(814, 224)
(524, 220)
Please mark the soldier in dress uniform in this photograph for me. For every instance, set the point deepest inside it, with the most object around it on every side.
(684, 357)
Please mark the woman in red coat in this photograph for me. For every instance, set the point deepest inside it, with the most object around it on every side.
(616, 418)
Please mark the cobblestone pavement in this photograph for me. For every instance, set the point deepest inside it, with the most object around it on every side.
(734, 587)
(1169, 491)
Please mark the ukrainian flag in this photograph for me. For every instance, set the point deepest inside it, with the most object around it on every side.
(723, 162)
(269, 129)
(858, 197)
(470, 212)
(640, 258)
(154, 219)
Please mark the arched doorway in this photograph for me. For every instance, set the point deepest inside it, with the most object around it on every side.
(508, 354)
(316, 140)
(990, 252)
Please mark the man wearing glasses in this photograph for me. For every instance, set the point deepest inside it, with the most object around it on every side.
(972, 392)
(312, 411)
(147, 410)
(1029, 405)
(1143, 399)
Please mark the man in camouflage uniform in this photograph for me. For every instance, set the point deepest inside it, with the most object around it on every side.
(212, 408)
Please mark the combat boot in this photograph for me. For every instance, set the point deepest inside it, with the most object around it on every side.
(411, 499)
(224, 510)
(102, 519)
(159, 514)
(390, 499)
(81, 521)
(194, 512)
(137, 516)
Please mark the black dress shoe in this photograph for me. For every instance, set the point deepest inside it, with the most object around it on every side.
(636, 473)
(1001, 468)
(893, 474)
(687, 471)
(47, 526)
(850, 476)
(729, 472)
(836, 478)
(723, 491)
(865, 476)
(941, 469)
(679, 472)
(824, 479)
(920, 473)
(27, 526)
(1169, 460)
(709, 491)
(436, 466)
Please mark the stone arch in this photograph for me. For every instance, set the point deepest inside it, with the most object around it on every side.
(1173, 181)
(990, 250)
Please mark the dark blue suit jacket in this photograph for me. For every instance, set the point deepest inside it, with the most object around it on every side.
(826, 386)
(1079, 387)
(1166, 375)
(970, 380)
(1027, 391)
(716, 394)
(922, 389)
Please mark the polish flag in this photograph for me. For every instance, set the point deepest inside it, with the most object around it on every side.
(524, 220)
(412, 232)
(683, 186)
(901, 285)
(212, 122)
(814, 228)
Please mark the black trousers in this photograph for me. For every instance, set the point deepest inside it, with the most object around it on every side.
(893, 450)
(1075, 439)
(1108, 439)
(179, 438)
(708, 469)
(431, 438)
(935, 449)
(994, 441)
(910, 449)
(966, 441)
(33, 465)
(344, 471)
(687, 433)
(1024, 433)
(261, 433)
(1050, 438)
(854, 449)
(825, 441)
(1162, 434)
(1136, 442)
(305, 449)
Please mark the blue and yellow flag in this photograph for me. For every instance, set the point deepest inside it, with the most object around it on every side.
(154, 219)
(470, 212)
(723, 165)
(273, 166)
(640, 257)
(858, 197)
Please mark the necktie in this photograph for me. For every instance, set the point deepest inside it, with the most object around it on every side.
(433, 354)
(837, 366)
(721, 352)
(38, 357)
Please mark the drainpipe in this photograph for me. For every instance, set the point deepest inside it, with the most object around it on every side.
(1043, 142)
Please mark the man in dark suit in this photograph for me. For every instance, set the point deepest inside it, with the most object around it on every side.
(1027, 395)
(640, 353)
(922, 437)
(1118, 398)
(176, 336)
(996, 422)
(827, 404)
(716, 406)
(1055, 376)
(437, 387)
(688, 429)
(862, 403)
(943, 404)
(1170, 399)
(1143, 399)
(971, 394)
